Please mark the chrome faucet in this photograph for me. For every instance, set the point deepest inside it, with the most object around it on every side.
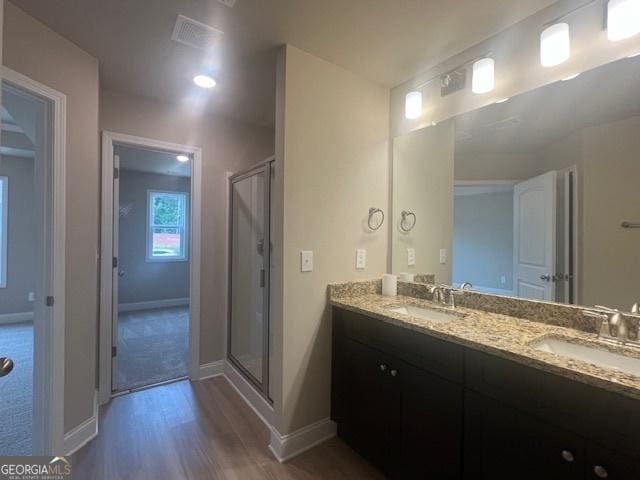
(466, 286)
(615, 326)
(445, 295)
(438, 292)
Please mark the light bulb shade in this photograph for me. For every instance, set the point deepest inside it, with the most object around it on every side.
(413, 105)
(182, 158)
(484, 75)
(555, 45)
(623, 19)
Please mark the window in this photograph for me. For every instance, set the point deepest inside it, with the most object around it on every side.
(4, 206)
(167, 226)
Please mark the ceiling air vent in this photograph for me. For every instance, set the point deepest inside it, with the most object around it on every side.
(196, 34)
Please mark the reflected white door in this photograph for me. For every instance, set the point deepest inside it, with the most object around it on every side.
(534, 237)
(114, 272)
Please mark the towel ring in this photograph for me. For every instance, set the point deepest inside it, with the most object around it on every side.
(372, 212)
(403, 221)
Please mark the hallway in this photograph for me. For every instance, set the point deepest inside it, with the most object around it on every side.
(200, 430)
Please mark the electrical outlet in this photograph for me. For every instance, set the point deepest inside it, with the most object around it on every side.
(411, 257)
(31, 297)
(361, 258)
(503, 280)
(443, 255)
(306, 261)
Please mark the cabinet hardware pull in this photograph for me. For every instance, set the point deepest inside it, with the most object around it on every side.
(394, 373)
(383, 367)
(600, 471)
(568, 456)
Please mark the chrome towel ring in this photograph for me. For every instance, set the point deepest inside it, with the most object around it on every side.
(372, 212)
(404, 225)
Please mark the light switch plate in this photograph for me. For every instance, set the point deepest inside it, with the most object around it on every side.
(306, 261)
(443, 255)
(361, 258)
(411, 257)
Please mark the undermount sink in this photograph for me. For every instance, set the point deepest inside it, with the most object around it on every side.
(424, 313)
(596, 356)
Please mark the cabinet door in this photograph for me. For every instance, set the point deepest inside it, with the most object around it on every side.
(431, 426)
(372, 404)
(504, 444)
(603, 463)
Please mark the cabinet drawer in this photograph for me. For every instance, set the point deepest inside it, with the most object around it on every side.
(594, 413)
(439, 357)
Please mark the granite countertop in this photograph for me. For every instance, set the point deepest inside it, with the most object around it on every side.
(501, 335)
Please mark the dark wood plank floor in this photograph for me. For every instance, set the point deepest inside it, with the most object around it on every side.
(200, 430)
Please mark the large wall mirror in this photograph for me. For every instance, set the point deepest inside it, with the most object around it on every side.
(535, 197)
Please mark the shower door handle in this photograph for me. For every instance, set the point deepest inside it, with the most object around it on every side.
(6, 366)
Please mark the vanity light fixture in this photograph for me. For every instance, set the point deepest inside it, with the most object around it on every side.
(204, 81)
(413, 105)
(484, 75)
(555, 45)
(623, 19)
(182, 158)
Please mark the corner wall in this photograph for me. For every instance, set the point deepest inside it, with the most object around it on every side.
(34, 50)
(227, 146)
(332, 166)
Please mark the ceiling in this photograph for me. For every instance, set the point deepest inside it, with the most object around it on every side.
(387, 42)
(531, 121)
(151, 161)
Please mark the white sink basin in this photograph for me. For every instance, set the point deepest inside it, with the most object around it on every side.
(602, 358)
(424, 313)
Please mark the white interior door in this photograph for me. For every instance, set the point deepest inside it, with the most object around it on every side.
(114, 272)
(534, 237)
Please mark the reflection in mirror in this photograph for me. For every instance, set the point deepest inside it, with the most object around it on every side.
(528, 197)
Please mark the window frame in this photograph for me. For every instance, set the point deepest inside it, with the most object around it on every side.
(149, 257)
(4, 226)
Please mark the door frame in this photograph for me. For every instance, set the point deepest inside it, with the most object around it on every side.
(110, 138)
(49, 355)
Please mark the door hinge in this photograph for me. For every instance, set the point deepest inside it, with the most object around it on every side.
(114, 351)
(114, 262)
(50, 301)
(116, 173)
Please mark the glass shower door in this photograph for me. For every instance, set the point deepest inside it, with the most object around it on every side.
(249, 283)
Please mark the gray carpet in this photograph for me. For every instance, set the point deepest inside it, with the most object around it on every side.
(16, 390)
(153, 346)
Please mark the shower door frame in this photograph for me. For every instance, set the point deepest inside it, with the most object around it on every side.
(263, 167)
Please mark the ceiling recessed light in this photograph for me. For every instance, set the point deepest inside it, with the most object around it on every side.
(484, 73)
(555, 45)
(182, 158)
(204, 81)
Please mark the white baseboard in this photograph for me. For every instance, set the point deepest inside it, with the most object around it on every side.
(7, 318)
(261, 407)
(83, 433)
(171, 302)
(285, 447)
(210, 370)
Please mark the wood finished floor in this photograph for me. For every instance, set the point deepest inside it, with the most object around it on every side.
(200, 430)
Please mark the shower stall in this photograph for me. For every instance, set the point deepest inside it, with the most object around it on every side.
(248, 334)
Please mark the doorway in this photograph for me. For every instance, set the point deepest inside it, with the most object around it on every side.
(150, 289)
(32, 264)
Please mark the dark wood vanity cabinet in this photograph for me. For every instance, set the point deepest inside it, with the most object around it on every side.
(424, 408)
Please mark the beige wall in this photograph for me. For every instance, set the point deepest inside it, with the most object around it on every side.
(227, 146)
(32, 49)
(332, 167)
(517, 54)
(423, 184)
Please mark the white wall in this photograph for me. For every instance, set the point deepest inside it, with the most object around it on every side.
(423, 163)
(332, 166)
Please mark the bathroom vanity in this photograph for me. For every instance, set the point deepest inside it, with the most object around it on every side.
(476, 396)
